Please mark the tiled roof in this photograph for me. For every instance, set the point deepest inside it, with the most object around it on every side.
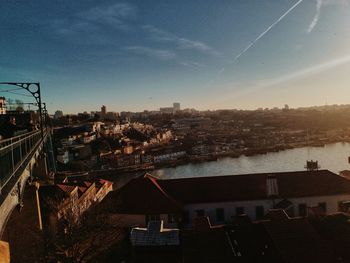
(253, 186)
(207, 246)
(82, 190)
(283, 204)
(150, 195)
(296, 240)
(154, 235)
(143, 195)
(87, 184)
(66, 188)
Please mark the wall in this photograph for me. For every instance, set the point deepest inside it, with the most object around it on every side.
(250, 206)
(127, 220)
(11, 199)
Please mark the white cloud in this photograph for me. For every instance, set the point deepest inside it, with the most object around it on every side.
(323, 3)
(163, 55)
(338, 2)
(250, 88)
(159, 35)
(303, 73)
(160, 54)
(192, 64)
(316, 17)
(115, 15)
(85, 27)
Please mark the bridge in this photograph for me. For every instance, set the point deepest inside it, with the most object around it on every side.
(20, 157)
(24, 156)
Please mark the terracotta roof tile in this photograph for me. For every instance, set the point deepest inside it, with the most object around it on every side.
(66, 188)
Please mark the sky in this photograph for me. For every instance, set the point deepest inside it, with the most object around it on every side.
(146, 54)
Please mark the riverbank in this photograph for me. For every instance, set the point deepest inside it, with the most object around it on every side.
(193, 159)
(214, 157)
(332, 156)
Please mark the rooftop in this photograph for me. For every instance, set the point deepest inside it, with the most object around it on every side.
(154, 235)
(254, 187)
(155, 196)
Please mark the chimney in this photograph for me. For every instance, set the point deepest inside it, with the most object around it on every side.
(271, 186)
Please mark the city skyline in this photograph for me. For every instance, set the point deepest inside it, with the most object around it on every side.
(132, 55)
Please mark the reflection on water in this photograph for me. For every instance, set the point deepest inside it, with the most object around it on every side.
(333, 157)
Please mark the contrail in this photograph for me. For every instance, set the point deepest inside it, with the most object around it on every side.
(265, 32)
(316, 17)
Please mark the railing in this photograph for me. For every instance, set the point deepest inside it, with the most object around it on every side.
(14, 152)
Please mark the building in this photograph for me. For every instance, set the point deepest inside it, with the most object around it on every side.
(206, 243)
(143, 200)
(58, 114)
(66, 202)
(103, 111)
(276, 239)
(176, 106)
(167, 110)
(2, 105)
(170, 110)
(155, 243)
(154, 235)
(223, 197)
(166, 157)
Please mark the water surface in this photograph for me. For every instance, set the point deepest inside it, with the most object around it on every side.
(333, 157)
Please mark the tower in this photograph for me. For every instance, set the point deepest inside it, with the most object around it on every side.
(176, 106)
(103, 111)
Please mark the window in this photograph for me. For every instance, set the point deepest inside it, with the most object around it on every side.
(344, 206)
(239, 210)
(200, 212)
(302, 209)
(259, 212)
(220, 214)
(185, 217)
(171, 218)
(152, 218)
(323, 205)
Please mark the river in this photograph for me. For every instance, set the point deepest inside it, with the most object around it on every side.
(333, 157)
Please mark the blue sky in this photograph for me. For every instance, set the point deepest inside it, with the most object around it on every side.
(136, 55)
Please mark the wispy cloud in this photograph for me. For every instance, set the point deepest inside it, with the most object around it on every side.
(159, 54)
(316, 17)
(236, 90)
(94, 26)
(86, 26)
(319, 5)
(162, 36)
(192, 64)
(163, 55)
(339, 2)
(316, 69)
(115, 15)
(79, 32)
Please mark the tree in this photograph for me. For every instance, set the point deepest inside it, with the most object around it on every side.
(83, 240)
(17, 104)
